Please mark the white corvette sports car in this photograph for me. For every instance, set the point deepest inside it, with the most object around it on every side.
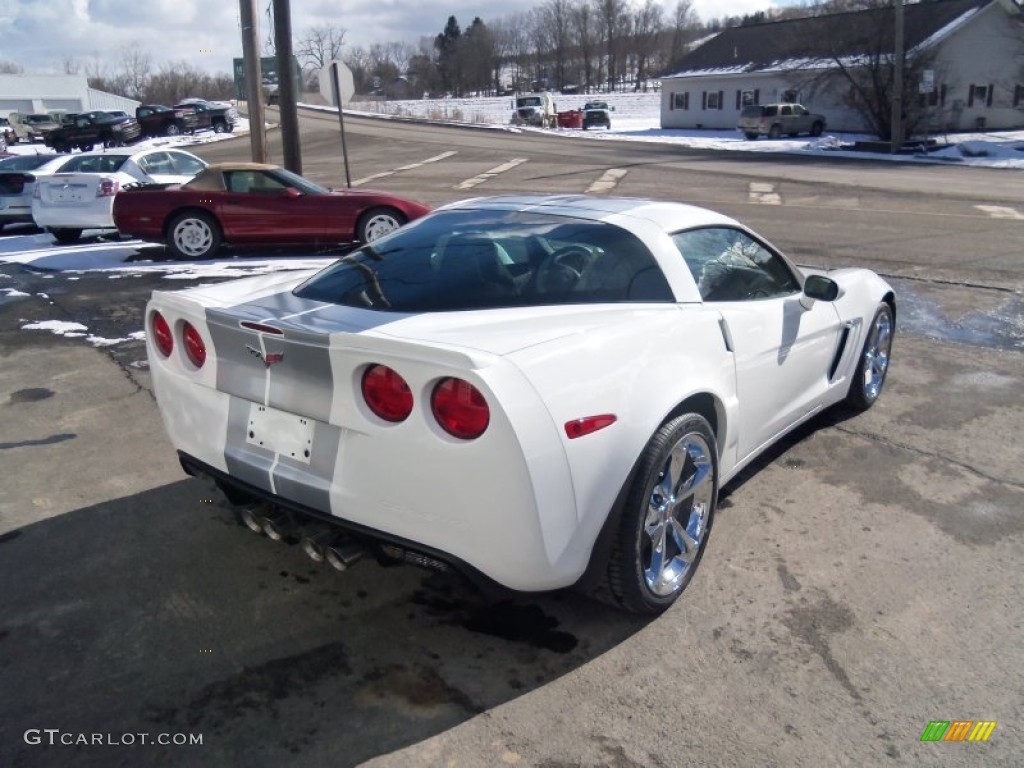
(541, 390)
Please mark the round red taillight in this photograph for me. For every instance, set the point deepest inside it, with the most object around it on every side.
(194, 346)
(386, 393)
(162, 336)
(460, 409)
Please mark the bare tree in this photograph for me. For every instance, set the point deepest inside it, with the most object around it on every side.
(8, 67)
(858, 49)
(135, 70)
(684, 25)
(613, 19)
(584, 38)
(557, 15)
(319, 45)
(648, 21)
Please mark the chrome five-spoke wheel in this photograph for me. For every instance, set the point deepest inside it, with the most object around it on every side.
(665, 518)
(873, 365)
(677, 515)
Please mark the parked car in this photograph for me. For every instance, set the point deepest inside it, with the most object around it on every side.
(597, 113)
(87, 129)
(82, 194)
(18, 175)
(261, 204)
(158, 120)
(7, 131)
(538, 391)
(773, 120)
(219, 119)
(33, 127)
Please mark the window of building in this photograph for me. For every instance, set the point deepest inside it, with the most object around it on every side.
(713, 100)
(681, 100)
(979, 96)
(1018, 95)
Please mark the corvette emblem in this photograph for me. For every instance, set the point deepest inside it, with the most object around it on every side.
(268, 359)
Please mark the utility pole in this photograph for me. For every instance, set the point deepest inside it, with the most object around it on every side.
(896, 121)
(251, 54)
(286, 85)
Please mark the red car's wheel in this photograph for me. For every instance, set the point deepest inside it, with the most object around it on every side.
(193, 235)
(377, 222)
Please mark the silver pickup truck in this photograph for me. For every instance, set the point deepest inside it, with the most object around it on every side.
(774, 120)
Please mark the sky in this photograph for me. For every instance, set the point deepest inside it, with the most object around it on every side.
(39, 35)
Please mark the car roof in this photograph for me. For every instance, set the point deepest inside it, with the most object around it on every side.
(669, 216)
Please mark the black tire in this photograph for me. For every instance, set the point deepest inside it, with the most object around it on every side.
(219, 127)
(193, 235)
(172, 129)
(774, 132)
(66, 235)
(377, 222)
(751, 135)
(637, 579)
(86, 147)
(61, 149)
(817, 128)
(873, 365)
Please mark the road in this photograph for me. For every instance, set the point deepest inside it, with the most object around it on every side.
(862, 580)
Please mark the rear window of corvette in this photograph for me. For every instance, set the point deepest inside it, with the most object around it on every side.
(462, 260)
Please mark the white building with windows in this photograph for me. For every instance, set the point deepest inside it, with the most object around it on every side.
(974, 78)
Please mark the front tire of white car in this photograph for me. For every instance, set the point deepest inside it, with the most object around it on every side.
(193, 235)
(869, 378)
(666, 516)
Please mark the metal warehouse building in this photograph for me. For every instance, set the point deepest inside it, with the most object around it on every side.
(45, 93)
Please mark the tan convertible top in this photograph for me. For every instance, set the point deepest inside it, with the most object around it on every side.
(212, 177)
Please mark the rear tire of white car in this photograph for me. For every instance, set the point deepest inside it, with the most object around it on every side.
(816, 129)
(66, 235)
(377, 222)
(774, 132)
(666, 516)
(869, 378)
(193, 235)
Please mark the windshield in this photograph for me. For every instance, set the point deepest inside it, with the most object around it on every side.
(533, 101)
(300, 183)
(36, 119)
(462, 260)
(95, 164)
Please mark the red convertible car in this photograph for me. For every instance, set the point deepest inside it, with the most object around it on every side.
(256, 204)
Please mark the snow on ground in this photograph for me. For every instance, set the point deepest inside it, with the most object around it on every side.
(636, 117)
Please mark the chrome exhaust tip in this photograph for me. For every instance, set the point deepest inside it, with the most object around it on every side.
(315, 545)
(251, 517)
(343, 554)
(277, 524)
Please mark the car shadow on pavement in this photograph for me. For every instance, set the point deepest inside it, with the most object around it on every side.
(159, 614)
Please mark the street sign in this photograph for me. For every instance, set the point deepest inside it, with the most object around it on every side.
(268, 74)
(346, 84)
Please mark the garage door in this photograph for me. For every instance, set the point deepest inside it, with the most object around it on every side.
(63, 105)
(15, 105)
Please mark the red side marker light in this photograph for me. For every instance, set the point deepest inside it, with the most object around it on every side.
(588, 424)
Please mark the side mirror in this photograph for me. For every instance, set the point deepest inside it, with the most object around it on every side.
(821, 288)
(292, 192)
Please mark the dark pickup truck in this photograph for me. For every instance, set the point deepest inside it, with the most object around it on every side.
(87, 129)
(158, 120)
(218, 119)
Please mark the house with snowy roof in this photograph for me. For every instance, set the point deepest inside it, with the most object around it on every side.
(964, 69)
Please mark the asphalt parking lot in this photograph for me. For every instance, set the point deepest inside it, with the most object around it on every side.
(862, 579)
